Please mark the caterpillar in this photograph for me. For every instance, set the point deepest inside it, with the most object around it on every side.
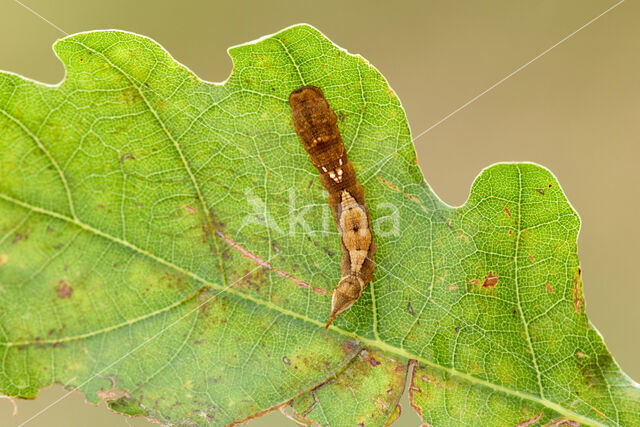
(315, 124)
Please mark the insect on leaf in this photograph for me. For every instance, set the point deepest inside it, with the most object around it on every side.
(166, 245)
(315, 123)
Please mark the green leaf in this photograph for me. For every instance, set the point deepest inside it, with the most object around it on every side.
(165, 245)
(365, 393)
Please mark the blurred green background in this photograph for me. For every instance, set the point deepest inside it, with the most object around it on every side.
(575, 110)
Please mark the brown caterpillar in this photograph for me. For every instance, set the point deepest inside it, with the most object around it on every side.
(315, 124)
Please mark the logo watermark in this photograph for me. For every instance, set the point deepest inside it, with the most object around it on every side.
(296, 217)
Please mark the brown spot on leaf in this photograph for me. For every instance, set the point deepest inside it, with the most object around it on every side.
(391, 92)
(395, 188)
(506, 209)
(581, 354)
(17, 238)
(114, 393)
(63, 290)
(453, 287)
(205, 234)
(432, 380)
(412, 198)
(190, 209)
(409, 307)
(563, 422)
(127, 156)
(576, 294)
(531, 258)
(129, 95)
(490, 281)
(540, 190)
(549, 288)
(350, 347)
(373, 362)
(592, 369)
(530, 421)
(286, 360)
(474, 281)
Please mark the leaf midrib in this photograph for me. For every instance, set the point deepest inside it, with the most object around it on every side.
(381, 345)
